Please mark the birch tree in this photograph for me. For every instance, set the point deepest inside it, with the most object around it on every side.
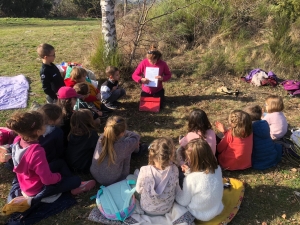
(108, 25)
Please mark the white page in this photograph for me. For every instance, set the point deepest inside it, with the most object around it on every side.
(151, 73)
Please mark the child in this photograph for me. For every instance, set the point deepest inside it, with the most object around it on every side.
(83, 90)
(110, 90)
(52, 140)
(202, 190)
(78, 75)
(82, 141)
(275, 117)
(158, 182)
(67, 98)
(111, 160)
(265, 153)
(153, 60)
(199, 126)
(34, 176)
(235, 148)
(51, 78)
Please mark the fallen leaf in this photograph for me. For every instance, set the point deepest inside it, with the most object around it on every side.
(294, 170)
(283, 216)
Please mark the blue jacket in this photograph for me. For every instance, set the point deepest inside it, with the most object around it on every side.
(265, 153)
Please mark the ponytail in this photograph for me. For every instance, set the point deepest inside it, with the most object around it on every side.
(114, 127)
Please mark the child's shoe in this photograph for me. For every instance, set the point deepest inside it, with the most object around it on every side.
(111, 106)
(18, 204)
(85, 186)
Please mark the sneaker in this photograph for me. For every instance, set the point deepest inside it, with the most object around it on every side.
(18, 204)
(85, 186)
(117, 103)
(105, 109)
(111, 106)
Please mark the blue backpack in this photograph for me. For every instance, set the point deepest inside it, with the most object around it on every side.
(117, 201)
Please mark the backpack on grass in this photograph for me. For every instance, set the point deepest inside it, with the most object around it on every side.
(117, 201)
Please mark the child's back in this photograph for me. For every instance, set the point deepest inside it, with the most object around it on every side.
(157, 188)
(265, 153)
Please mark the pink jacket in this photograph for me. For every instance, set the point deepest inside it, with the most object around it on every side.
(33, 170)
(210, 137)
(139, 73)
(234, 152)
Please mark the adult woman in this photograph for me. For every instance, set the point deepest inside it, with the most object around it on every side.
(153, 60)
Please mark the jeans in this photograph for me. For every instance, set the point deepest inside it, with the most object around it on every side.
(115, 95)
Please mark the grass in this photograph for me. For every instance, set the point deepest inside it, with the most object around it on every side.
(269, 194)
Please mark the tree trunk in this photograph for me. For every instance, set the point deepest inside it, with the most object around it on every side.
(108, 25)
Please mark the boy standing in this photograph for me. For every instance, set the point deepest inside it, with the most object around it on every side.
(110, 90)
(51, 78)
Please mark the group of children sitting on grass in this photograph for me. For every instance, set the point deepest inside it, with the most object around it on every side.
(46, 154)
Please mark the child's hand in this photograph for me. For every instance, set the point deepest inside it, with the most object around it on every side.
(185, 168)
(220, 127)
(114, 88)
(145, 80)
(98, 96)
(160, 78)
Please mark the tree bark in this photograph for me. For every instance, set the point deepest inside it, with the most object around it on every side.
(108, 25)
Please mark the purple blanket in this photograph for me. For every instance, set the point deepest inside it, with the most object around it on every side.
(13, 92)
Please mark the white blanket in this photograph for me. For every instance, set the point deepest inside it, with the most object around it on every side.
(13, 92)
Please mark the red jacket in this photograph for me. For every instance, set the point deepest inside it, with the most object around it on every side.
(234, 152)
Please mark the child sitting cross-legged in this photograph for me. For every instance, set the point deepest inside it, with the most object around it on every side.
(266, 153)
(235, 148)
(112, 155)
(36, 179)
(158, 182)
(110, 90)
(275, 117)
(83, 139)
(202, 190)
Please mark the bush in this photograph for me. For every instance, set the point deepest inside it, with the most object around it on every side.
(99, 61)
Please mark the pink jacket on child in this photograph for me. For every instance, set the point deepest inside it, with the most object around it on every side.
(140, 71)
(31, 167)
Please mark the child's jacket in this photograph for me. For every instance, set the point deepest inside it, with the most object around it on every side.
(234, 152)
(31, 167)
(157, 188)
(265, 152)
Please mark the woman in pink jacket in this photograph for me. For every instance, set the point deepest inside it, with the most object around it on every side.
(153, 60)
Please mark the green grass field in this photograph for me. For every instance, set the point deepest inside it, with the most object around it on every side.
(269, 197)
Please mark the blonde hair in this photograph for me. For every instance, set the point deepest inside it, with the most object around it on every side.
(44, 50)
(161, 150)
(115, 126)
(77, 73)
(241, 124)
(275, 103)
(201, 157)
(153, 53)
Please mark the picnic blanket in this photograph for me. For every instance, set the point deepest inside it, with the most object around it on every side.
(13, 92)
(232, 199)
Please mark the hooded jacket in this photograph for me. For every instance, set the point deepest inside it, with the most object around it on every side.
(158, 188)
(31, 167)
(265, 153)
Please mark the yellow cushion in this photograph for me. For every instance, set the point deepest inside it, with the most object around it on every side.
(232, 199)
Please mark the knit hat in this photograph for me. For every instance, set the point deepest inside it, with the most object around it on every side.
(67, 92)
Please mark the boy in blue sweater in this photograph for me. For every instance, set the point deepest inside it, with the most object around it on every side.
(266, 153)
